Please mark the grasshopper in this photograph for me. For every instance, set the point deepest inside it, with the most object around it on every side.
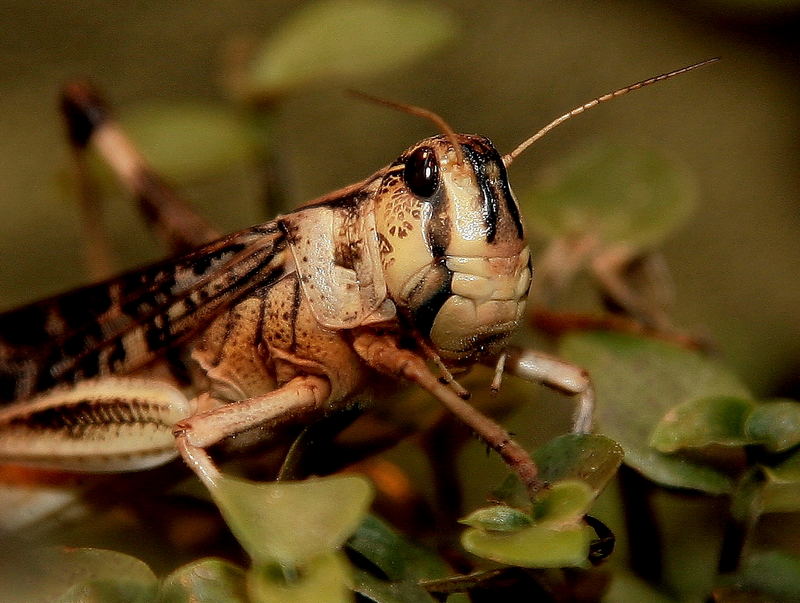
(423, 267)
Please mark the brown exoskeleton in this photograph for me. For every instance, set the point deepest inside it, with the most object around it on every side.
(425, 260)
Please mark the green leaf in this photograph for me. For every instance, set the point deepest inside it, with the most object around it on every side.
(290, 523)
(94, 575)
(703, 421)
(637, 381)
(781, 492)
(775, 424)
(119, 590)
(189, 140)
(536, 546)
(768, 489)
(371, 588)
(780, 497)
(772, 574)
(590, 458)
(324, 580)
(498, 518)
(205, 581)
(787, 470)
(393, 554)
(343, 39)
(618, 194)
(563, 504)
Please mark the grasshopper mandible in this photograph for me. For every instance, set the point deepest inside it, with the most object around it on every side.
(425, 261)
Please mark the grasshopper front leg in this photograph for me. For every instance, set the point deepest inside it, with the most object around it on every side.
(557, 374)
(382, 353)
(294, 401)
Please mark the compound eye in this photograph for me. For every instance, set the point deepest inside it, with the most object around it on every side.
(421, 173)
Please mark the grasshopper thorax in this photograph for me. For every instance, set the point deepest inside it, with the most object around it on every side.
(453, 246)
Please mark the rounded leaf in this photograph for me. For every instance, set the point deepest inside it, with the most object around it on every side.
(768, 489)
(788, 470)
(291, 523)
(498, 518)
(325, 580)
(118, 590)
(393, 554)
(775, 425)
(703, 421)
(334, 39)
(616, 193)
(781, 490)
(590, 458)
(86, 574)
(189, 140)
(587, 457)
(536, 546)
(637, 380)
(563, 504)
(205, 581)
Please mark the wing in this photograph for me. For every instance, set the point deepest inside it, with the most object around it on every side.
(123, 324)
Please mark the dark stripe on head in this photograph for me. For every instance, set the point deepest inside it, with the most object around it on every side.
(428, 297)
(477, 158)
(438, 227)
(508, 197)
(493, 184)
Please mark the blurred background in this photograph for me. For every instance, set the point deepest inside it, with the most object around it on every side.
(504, 71)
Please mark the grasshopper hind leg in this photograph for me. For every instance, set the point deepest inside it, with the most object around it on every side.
(121, 424)
(90, 123)
(104, 425)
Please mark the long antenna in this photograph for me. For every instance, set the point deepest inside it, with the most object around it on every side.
(510, 157)
(437, 119)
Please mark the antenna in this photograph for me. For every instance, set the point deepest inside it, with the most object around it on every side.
(437, 119)
(510, 157)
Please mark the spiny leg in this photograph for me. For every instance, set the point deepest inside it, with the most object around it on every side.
(558, 374)
(383, 353)
(89, 121)
(295, 400)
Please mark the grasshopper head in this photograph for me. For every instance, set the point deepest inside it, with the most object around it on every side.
(453, 246)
